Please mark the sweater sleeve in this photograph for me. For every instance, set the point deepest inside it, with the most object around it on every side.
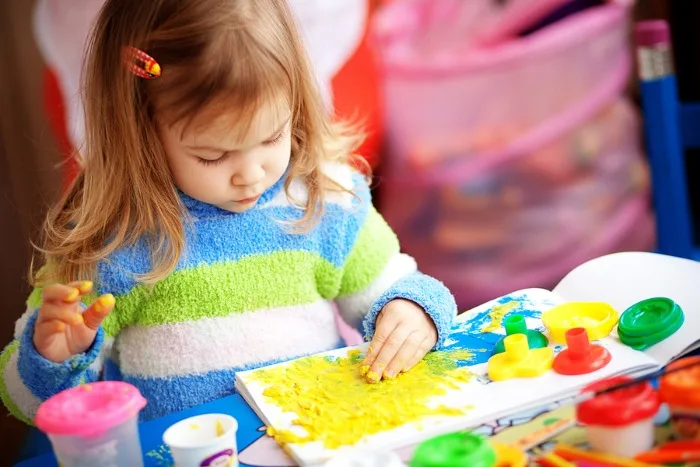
(376, 272)
(27, 379)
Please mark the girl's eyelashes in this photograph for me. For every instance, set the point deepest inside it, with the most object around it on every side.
(224, 156)
(213, 161)
(274, 140)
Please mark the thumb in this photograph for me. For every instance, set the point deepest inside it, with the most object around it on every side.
(98, 311)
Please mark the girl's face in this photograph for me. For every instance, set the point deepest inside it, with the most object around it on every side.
(213, 164)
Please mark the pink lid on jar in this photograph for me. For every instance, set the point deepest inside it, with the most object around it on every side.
(89, 410)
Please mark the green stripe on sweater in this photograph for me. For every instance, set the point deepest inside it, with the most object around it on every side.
(4, 394)
(34, 300)
(282, 278)
(376, 244)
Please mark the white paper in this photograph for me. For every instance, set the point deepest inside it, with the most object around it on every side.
(492, 400)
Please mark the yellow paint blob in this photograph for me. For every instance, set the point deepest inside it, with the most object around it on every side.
(335, 406)
(497, 313)
(219, 428)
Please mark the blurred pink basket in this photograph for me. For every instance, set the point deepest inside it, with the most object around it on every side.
(510, 163)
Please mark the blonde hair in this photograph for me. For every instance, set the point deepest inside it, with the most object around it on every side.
(237, 52)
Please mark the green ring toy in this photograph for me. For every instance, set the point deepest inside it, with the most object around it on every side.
(461, 448)
(649, 322)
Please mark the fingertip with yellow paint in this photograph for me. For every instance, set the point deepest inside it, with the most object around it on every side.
(106, 302)
(372, 377)
(72, 296)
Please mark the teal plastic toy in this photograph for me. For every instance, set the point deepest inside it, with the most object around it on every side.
(515, 324)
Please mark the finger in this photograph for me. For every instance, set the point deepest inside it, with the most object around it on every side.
(45, 331)
(387, 353)
(382, 329)
(98, 311)
(65, 293)
(84, 287)
(410, 347)
(56, 312)
(371, 349)
(420, 352)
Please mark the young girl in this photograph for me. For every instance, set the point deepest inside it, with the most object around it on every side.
(215, 221)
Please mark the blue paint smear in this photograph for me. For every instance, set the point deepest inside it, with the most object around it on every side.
(467, 335)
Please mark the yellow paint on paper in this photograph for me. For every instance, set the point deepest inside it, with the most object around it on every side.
(335, 406)
(219, 428)
(497, 314)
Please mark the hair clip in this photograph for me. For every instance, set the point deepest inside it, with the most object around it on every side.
(140, 63)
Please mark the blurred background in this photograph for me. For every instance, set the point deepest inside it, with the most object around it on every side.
(506, 136)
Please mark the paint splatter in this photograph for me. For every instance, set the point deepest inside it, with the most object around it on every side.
(497, 313)
(161, 456)
(335, 406)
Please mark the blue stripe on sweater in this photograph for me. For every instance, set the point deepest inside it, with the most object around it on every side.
(45, 378)
(224, 236)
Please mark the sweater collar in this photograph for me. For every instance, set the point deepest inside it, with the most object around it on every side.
(200, 209)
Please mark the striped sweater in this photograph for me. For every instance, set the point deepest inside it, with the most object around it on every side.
(246, 292)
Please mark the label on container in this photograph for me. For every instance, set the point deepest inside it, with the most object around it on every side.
(225, 458)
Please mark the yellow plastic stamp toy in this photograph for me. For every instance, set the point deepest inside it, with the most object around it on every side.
(509, 456)
(519, 361)
(597, 318)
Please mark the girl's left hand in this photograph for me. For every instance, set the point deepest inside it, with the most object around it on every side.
(404, 333)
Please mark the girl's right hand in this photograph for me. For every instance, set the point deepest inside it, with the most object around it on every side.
(62, 329)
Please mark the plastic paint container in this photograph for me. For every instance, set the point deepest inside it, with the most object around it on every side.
(461, 448)
(681, 391)
(94, 424)
(620, 422)
(203, 441)
(649, 322)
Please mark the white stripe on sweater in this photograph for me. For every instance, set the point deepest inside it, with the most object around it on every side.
(339, 173)
(21, 323)
(228, 342)
(353, 308)
(20, 394)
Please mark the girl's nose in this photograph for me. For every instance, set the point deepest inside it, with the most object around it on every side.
(248, 174)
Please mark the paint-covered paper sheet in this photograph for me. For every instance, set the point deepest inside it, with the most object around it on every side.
(318, 405)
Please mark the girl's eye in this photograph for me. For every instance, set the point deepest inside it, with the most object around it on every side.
(213, 161)
(274, 140)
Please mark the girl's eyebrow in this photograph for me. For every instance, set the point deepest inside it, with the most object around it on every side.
(217, 149)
